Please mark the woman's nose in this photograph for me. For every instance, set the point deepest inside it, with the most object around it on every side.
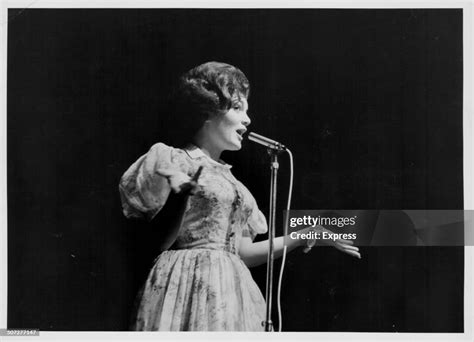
(246, 120)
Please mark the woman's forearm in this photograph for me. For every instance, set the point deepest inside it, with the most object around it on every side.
(256, 253)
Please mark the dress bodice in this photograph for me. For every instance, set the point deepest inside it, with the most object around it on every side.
(216, 217)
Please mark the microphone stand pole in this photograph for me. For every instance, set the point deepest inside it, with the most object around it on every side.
(271, 237)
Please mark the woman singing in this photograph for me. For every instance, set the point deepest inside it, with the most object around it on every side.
(201, 281)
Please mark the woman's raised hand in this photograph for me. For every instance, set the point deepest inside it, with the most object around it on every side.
(180, 182)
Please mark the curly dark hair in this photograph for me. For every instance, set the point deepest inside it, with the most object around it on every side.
(205, 91)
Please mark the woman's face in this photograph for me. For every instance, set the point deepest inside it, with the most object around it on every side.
(226, 131)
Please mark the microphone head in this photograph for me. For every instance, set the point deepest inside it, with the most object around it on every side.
(267, 142)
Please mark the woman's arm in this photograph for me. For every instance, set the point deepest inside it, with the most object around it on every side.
(255, 253)
(171, 215)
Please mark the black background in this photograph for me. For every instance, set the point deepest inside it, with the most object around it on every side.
(369, 101)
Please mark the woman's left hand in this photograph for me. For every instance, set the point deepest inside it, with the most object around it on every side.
(345, 246)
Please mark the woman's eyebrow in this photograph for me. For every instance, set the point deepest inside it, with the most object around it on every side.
(237, 102)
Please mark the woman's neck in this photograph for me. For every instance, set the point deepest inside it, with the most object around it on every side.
(208, 148)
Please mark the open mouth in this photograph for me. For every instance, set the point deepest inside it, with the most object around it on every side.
(240, 132)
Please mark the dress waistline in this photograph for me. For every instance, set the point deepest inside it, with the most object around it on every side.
(197, 248)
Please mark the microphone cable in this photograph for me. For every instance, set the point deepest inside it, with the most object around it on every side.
(272, 144)
(285, 233)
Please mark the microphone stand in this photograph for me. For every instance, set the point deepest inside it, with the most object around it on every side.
(271, 236)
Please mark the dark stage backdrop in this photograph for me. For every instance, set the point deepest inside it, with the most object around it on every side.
(369, 101)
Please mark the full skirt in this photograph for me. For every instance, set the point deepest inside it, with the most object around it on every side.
(199, 290)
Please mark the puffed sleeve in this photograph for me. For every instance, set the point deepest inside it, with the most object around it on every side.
(256, 224)
(144, 192)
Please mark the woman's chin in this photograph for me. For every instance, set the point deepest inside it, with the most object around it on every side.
(235, 147)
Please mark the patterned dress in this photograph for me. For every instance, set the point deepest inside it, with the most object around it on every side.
(201, 283)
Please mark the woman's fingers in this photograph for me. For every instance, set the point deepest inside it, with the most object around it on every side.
(197, 174)
(181, 182)
(346, 246)
(353, 253)
(349, 251)
(352, 248)
(346, 242)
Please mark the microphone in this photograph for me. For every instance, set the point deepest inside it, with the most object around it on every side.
(260, 139)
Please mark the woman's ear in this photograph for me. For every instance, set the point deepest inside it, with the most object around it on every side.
(207, 122)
